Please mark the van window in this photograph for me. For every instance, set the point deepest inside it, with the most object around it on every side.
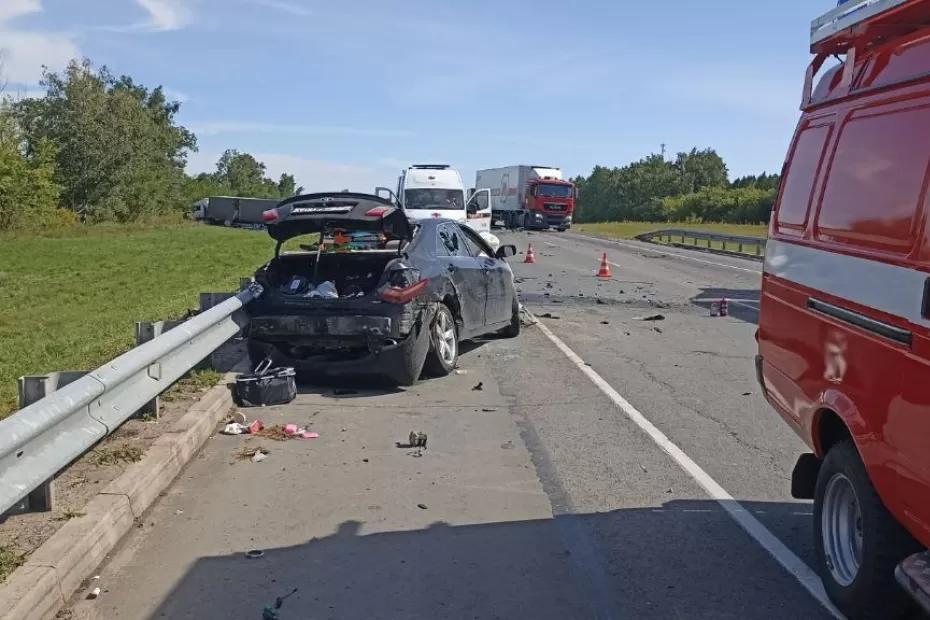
(877, 180)
(799, 179)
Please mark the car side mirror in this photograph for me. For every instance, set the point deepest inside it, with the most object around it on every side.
(506, 251)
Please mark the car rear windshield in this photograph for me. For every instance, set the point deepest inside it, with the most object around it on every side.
(436, 199)
(340, 240)
(554, 191)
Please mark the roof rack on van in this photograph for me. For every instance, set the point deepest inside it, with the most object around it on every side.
(430, 166)
(853, 27)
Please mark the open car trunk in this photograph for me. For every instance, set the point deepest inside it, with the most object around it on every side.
(296, 277)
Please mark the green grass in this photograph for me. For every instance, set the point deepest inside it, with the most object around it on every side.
(10, 560)
(629, 230)
(69, 300)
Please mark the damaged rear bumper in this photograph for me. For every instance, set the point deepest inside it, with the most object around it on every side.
(335, 346)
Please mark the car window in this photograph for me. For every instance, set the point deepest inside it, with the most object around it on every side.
(451, 239)
(476, 244)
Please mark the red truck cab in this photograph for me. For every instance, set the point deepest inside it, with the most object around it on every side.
(844, 327)
(550, 203)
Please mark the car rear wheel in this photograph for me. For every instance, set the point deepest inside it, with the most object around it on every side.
(857, 541)
(444, 344)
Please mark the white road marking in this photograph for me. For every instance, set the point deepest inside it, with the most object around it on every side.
(669, 253)
(784, 556)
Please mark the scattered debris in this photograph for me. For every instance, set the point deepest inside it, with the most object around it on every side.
(77, 482)
(417, 439)
(364, 460)
(69, 514)
(93, 594)
(310, 435)
(178, 512)
(605, 322)
(507, 445)
(657, 330)
(600, 301)
(478, 387)
(461, 371)
(650, 317)
(548, 284)
(254, 554)
(234, 428)
(255, 426)
(747, 393)
(422, 506)
(549, 315)
(643, 467)
(249, 453)
(259, 456)
(488, 410)
(270, 612)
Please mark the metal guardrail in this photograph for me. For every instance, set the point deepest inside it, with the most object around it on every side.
(692, 238)
(38, 441)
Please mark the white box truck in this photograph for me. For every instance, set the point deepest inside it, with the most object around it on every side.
(528, 196)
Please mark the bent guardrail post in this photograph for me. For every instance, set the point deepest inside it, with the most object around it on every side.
(42, 438)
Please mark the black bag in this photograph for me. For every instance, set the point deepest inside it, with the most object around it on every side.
(266, 386)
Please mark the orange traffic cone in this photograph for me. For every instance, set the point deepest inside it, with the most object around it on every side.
(530, 257)
(604, 271)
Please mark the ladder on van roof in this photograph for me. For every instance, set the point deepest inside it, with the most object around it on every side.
(848, 14)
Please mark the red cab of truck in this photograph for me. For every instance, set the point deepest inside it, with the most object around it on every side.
(550, 203)
(844, 328)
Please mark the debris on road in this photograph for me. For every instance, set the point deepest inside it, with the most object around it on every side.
(549, 315)
(417, 439)
(422, 506)
(259, 456)
(234, 428)
(255, 427)
(251, 454)
(478, 387)
(254, 554)
(507, 445)
(488, 410)
(93, 593)
(747, 393)
(461, 371)
(605, 322)
(270, 612)
(276, 433)
(309, 435)
(650, 317)
(600, 301)
(657, 330)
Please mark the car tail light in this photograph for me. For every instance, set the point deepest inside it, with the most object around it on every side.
(377, 211)
(269, 216)
(397, 295)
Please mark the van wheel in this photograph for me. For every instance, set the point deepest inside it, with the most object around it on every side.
(857, 542)
(444, 344)
(513, 330)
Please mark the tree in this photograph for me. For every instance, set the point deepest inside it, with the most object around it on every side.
(28, 192)
(120, 154)
(700, 169)
(287, 186)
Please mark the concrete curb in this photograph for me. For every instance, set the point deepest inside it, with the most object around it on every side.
(44, 584)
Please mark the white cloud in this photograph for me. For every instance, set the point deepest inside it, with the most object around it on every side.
(212, 128)
(166, 14)
(291, 8)
(23, 52)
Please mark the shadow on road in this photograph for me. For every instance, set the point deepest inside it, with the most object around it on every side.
(685, 558)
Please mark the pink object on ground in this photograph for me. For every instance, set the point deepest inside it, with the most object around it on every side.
(256, 426)
(290, 429)
(309, 435)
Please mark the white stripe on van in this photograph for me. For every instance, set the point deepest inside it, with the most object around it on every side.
(889, 288)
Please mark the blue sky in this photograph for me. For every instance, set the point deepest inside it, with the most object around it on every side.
(345, 94)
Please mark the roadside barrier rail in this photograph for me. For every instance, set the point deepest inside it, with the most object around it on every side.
(39, 440)
(731, 244)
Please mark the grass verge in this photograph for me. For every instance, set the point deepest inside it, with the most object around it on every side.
(70, 299)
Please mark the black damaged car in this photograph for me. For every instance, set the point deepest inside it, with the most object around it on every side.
(354, 287)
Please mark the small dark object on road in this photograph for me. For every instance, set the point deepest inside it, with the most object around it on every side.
(416, 440)
(548, 284)
(270, 612)
(364, 460)
(344, 392)
(422, 506)
(549, 315)
(581, 294)
(747, 393)
(557, 301)
(651, 317)
(657, 330)
(254, 554)
(478, 387)
(622, 292)
(605, 322)
(488, 410)
(507, 445)
(600, 301)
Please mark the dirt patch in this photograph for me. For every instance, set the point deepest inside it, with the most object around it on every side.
(76, 485)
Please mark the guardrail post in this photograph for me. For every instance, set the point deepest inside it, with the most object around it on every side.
(145, 331)
(33, 388)
(740, 247)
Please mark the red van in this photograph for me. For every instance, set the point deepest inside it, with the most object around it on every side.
(844, 329)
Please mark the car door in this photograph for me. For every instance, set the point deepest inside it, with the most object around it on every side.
(466, 273)
(499, 279)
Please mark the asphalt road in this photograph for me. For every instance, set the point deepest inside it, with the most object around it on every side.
(610, 467)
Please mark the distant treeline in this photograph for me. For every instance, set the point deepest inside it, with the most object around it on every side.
(96, 147)
(694, 187)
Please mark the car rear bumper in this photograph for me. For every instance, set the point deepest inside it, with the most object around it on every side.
(335, 346)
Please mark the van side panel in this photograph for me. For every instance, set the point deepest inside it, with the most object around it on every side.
(841, 323)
